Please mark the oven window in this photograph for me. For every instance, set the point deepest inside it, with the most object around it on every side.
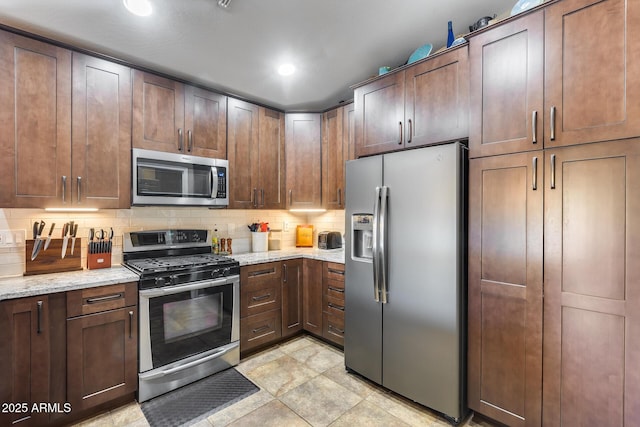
(190, 322)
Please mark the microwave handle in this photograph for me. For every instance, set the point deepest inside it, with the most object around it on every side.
(214, 182)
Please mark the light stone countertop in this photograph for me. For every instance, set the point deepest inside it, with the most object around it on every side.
(40, 284)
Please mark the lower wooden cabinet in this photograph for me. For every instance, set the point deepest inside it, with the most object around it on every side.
(260, 329)
(102, 345)
(292, 272)
(312, 296)
(333, 302)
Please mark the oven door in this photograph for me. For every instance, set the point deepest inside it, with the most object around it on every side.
(178, 322)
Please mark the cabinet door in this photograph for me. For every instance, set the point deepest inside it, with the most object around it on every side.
(158, 113)
(505, 287)
(271, 160)
(302, 147)
(101, 134)
(379, 115)
(437, 99)
(506, 88)
(312, 296)
(348, 131)
(35, 117)
(592, 60)
(102, 357)
(333, 152)
(592, 285)
(205, 123)
(24, 359)
(291, 297)
(243, 127)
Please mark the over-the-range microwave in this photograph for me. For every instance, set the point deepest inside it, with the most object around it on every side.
(161, 178)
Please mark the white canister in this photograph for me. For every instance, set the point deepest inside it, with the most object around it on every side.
(259, 242)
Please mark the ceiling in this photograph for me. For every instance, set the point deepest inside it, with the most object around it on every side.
(333, 43)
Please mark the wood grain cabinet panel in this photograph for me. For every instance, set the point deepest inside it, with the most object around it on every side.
(312, 296)
(505, 287)
(205, 123)
(591, 70)
(592, 285)
(333, 304)
(303, 160)
(333, 158)
(271, 167)
(292, 317)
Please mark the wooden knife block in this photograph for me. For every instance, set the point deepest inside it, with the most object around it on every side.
(98, 260)
(50, 261)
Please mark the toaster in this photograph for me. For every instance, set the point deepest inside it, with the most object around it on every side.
(329, 240)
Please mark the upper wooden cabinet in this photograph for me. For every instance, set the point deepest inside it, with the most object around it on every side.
(506, 91)
(35, 116)
(552, 78)
(334, 150)
(68, 134)
(256, 156)
(424, 104)
(173, 117)
(302, 148)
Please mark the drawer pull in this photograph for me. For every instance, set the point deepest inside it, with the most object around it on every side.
(334, 271)
(341, 331)
(131, 324)
(103, 299)
(261, 297)
(261, 329)
(262, 272)
(337, 307)
(39, 326)
(331, 288)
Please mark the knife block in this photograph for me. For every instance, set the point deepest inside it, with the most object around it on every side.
(98, 260)
(51, 261)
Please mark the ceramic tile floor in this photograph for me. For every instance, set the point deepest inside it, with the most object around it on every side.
(302, 383)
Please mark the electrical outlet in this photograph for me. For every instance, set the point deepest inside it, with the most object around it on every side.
(285, 226)
(6, 238)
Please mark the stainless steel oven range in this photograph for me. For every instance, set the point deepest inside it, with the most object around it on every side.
(189, 308)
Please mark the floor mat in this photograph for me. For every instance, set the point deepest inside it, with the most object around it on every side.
(196, 401)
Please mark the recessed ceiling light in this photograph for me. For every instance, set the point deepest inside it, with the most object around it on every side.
(138, 7)
(286, 69)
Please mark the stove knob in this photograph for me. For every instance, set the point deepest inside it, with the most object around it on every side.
(226, 271)
(215, 273)
(159, 281)
(173, 280)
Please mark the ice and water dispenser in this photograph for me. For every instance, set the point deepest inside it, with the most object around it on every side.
(362, 237)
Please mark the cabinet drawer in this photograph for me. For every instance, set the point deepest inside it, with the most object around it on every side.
(260, 329)
(104, 298)
(333, 271)
(333, 328)
(333, 306)
(334, 289)
(261, 273)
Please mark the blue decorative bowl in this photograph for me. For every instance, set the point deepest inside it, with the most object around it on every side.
(420, 53)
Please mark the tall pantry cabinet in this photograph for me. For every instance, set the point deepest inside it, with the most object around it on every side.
(553, 337)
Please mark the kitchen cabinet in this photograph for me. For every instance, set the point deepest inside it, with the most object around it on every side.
(592, 285)
(348, 131)
(333, 305)
(303, 161)
(292, 277)
(102, 344)
(101, 134)
(35, 115)
(260, 305)
(506, 87)
(334, 151)
(29, 353)
(312, 296)
(423, 104)
(71, 121)
(505, 287)
(172, 117)
(256, 154)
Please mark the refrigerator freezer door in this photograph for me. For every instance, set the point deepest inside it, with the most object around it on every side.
(423, 322)
(363, 318)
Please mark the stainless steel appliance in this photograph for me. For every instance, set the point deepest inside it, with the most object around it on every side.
(178, 179)
(329, 240)
(189, 308)
(405, 274)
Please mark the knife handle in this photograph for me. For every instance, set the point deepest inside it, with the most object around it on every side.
(64, 229)
(41, 229)
(53, 225)
(35, 230)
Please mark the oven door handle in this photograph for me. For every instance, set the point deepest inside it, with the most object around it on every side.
(160, 374)
(170, 290)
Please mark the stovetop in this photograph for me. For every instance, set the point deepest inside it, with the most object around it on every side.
(175, 263)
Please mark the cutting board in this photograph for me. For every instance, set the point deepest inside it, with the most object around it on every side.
(50, 261)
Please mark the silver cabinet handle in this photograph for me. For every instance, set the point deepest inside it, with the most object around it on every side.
(534, 127)
(64, 188)
(290, 198)
(553, 123)
(79, 182)
(375, 261)
(410, 132)
(400, 141)
(340, 331)
(39, 326)
(553, 171)
(284, 273)
(103, 299)
(535, 174)
(262, 272)
(262, 196)
(261, 297)
(180, 140)
(131, 324)
(189, 140)
(331, 288)
(334, 306)
(339, 196)
(255, 197)
(260, 329)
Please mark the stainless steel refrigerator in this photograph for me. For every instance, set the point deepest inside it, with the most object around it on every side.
(405, 285)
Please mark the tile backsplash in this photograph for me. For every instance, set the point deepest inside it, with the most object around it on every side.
(16, 225)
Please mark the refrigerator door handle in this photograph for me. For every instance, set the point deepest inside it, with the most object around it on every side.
(382, 245)
(376, 278)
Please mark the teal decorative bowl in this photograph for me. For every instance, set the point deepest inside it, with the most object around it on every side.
(420, 53)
